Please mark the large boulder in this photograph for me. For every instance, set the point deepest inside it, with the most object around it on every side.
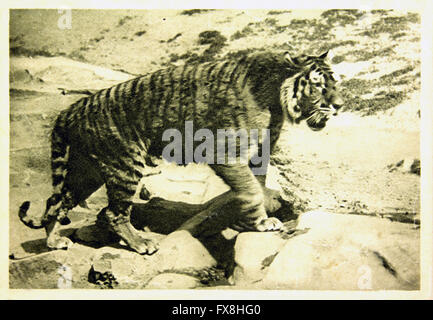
(338, 252)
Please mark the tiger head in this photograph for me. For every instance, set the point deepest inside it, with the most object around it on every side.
(311, 93)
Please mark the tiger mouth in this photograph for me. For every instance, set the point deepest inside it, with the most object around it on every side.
(316, 126)
(319, 113)
(317, 120)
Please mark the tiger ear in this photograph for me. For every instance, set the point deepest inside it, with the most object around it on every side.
(297, 62)
(289, 58)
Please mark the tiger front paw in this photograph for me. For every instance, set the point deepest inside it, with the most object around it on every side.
(269, 224)
(144, 246)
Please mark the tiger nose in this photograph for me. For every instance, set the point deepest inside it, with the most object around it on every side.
(337, 103)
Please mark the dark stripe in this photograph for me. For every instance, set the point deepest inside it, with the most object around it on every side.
(108, 141)
(96, 144)
(216, 83)
(69, 113)
(248, 70)
(125, 113)
(54, 199)
(122, 175)
(169, 96)
(142, 109)
(116, 112)
(131, 115)
(234, 72)
(181, 95)
(210, 70)
(150, 108)
(133, 110)
(117, 93)
(138, 163)
(85, 100)
(90, 101)
(77, 116)
(57, 179)
(99, 100)
(160, 89)
(296, 86)
(123, 188)
(85, 122)
(194, 92)
(209, 83)
(57, 163)
(241, 69)
(107, 95)
(58, 153)
(187, 92)
(137, 173)
(134, 87)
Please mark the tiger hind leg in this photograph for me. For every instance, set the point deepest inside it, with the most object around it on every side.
(250, 198)
(122, 184)
(82, 179)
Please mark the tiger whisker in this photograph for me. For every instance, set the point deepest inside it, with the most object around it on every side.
(311, 115)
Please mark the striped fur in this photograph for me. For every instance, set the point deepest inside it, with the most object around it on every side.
(107, 137)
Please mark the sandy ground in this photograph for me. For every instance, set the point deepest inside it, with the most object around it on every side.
(343, 168)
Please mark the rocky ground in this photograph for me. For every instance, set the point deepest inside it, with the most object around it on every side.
(354, 166)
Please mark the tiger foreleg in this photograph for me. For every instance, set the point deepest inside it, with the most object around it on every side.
(271, 197)
(249, 197)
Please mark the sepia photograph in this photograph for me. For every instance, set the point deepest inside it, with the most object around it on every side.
(216, 149)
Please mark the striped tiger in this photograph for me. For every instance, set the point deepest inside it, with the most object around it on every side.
(108, 137)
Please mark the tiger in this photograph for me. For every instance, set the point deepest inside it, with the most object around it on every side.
(108, 137)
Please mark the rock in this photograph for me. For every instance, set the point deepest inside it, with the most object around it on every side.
(415, 167)
(179, 251)
(326, 252)
(254, 252)
(43, 271)
(347, 252)
(272, 178)
(173, 281)
(408, 165)
(120, 268)
(194, 183)
(54, 269)
(112, 266)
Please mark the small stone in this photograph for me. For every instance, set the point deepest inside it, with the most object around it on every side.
(180, 250)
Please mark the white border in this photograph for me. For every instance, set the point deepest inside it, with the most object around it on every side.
(423, 6)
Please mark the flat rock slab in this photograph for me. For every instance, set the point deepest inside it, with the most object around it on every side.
(338, 252)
